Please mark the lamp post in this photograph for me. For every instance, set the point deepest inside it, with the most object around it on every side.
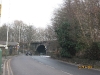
(23, 36)
(7, 31)
(7, 42)
(19, 40)
(19, 34)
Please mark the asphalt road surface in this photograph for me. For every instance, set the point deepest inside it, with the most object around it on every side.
(43, 65)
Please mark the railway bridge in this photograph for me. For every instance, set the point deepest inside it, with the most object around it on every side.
(43, 47)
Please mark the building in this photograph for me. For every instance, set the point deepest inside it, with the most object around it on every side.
(12, 47)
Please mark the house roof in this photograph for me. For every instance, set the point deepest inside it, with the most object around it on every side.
(9, 43)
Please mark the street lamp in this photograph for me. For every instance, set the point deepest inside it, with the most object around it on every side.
(7, 42)
(7, 31)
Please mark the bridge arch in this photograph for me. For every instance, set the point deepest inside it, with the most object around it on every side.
(41, 49)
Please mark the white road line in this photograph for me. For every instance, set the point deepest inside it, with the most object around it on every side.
(39, 62)
(55, 68)
(60, 70)
(67, 73)
(50, 66)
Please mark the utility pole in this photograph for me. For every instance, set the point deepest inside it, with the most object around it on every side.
(7, 42)
(19, 34)
(19, 41)
(23, 37)
(7, 31)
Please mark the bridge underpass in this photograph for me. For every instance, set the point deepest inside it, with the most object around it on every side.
(41, 49)
(44, 47)
(38, 47)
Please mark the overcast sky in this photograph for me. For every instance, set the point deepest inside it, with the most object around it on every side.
(36, 12)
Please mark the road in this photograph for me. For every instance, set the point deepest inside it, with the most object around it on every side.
(43, 65)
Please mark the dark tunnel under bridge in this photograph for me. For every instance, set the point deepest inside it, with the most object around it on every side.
(41, 49)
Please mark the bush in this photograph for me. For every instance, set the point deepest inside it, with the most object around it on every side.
(93, 52)
(65, 53)
(66, 42)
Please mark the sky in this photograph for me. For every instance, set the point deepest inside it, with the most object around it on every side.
(33, 12)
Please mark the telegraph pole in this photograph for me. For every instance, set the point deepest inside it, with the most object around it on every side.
(7, 31)
(7, 42)
(19, 40)
(19, 34)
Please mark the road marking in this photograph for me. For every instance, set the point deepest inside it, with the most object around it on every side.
(4, 67)
(52, 67)
(55, 68)
(60, 70)
(10, 67)
(41, 63)
(9, 70)
(67, 73)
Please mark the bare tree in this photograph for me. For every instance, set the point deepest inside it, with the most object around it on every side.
(30, 33)
(3, 33)
(40, 34)
(50, 33)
